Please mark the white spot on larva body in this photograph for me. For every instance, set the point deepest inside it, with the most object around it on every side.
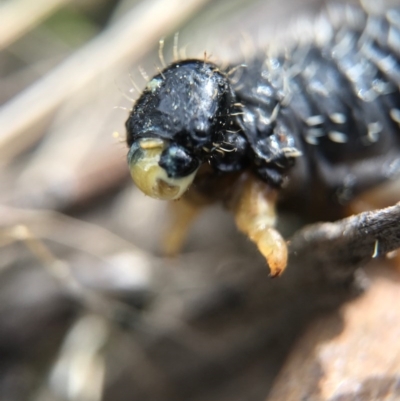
(345, 43)
(311, 140)
(382, 87)
(318, 87)
(338, 118)
(373, 131)
(313, 134)
(291, 152)
(395, 115)
(154, 84)
(354, 72)
(310, 71)
(367, 95)
(388, 63)
(338, 137)
(314, 120)
(264, 90)
(248, 118)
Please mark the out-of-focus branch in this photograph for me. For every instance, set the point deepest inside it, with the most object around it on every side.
(337, 249)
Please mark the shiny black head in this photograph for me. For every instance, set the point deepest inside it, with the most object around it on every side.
(182, 119)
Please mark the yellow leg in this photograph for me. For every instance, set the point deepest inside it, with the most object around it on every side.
(182, 213)
(254, 209)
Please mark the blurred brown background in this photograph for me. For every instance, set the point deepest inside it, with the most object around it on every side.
(89, 308)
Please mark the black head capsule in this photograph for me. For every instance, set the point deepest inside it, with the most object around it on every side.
(181, 117)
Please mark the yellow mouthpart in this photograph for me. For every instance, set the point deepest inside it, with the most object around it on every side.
(150, 177)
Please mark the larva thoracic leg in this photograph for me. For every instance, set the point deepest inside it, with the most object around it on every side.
(253, 205)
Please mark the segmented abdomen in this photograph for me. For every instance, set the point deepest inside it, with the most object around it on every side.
(340, 103)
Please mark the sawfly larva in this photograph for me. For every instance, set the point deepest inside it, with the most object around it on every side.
(309, 129)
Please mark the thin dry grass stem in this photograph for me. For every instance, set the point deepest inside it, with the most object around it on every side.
(60, 189)
(48, 224)
(18, 17)
(76, 131)
(93, 301)
(77, 159)
(79, 370)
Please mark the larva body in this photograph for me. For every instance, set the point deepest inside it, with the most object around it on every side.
(310, 128)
